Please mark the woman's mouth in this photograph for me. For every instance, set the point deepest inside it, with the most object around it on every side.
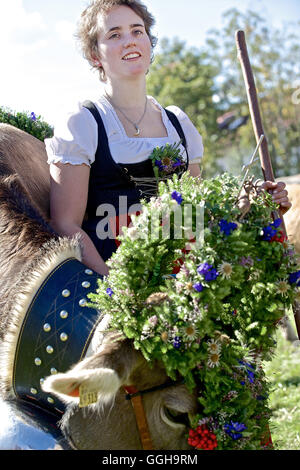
(132, 56)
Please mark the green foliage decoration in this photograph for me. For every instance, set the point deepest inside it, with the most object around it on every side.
(210, 317)
(28, 122)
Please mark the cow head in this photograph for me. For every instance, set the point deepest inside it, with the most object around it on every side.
(110, 423)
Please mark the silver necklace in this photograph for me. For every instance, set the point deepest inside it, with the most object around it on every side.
(135, 124)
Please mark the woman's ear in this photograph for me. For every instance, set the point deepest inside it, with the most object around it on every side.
(97, 63)
(96, 60)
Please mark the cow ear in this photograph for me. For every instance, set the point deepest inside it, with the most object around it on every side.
(98, 384)
(98, 377)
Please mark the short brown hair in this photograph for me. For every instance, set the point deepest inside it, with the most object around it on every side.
(87, 30)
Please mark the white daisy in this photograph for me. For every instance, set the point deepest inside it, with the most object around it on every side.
(282, 287)
(255, 275)
(164, 336)
(189, 332)
(214, 360)
(214, 346)
(225, 269)
(133, 233)
(188, 287)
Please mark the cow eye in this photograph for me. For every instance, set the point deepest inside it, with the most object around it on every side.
(176, 416)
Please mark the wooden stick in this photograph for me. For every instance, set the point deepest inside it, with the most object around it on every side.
(265, 158)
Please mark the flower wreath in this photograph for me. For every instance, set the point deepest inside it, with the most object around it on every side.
(212, 322)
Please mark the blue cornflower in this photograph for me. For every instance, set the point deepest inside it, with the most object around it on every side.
(227, 227)
(33, 116)
(110, 292)
(251, 376)
(198, 287)
(177, 342)
(250, 371)
(159, 164)
(261, 398)
(177, 163)
(271, 230)
(277, 223)
(269, 233)
(204, 268)
(293, 278)
(234, 430)
(246, 364)
(209, 273)
(177, 196)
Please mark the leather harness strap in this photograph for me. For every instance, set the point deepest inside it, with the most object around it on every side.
(55, 333)
(140, 416)
(135, 396)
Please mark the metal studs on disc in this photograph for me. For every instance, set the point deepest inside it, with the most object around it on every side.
(64, 314)
(89, 272)
(37, 361)
(86, 284)
(33, 391)
(49, 349)
(53, 371)
(47, 327)
(42, 381)
(66, 293)
(50, 400)
(63, 337)
(82, 302)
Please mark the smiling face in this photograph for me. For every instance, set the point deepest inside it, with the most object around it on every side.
(123, 44)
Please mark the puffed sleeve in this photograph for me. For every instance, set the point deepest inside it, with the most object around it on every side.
(75, 140)
(193, 138)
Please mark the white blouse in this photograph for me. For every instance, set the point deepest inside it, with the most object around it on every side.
(76, 141)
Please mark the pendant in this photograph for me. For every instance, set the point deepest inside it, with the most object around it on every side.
(137, 131)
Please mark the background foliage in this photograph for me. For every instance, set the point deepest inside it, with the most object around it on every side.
(283, 373)
(27, 122)
(208, 83)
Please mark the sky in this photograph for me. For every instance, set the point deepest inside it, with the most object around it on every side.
(43, 71)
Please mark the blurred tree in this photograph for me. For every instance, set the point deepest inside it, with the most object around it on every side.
(207, 84)
(275, 58)
(183, 77)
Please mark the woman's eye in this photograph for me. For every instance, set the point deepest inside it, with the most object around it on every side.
(138, 32)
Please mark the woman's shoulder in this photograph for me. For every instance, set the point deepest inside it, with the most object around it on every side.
(79, 112)
(74, 118)
(179, 113)
(193, 137)
(75, 137)
(174, 109)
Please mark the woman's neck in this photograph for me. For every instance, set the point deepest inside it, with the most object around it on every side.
(126, 94)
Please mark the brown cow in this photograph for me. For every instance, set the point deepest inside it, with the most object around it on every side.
(24, 207)
(111, 423)
(29, 252)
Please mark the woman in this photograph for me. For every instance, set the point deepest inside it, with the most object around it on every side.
(94, 159)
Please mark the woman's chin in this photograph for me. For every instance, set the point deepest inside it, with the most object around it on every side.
(136, 68)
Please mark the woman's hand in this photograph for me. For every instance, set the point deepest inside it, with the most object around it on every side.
(279, 194)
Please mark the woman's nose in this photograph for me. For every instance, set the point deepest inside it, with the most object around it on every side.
(129, 41)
